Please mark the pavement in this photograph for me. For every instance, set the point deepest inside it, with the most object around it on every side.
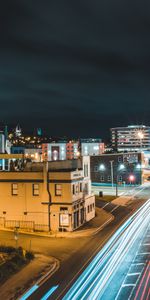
(36, 271)
(101, 219)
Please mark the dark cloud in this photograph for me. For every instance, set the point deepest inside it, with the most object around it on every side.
(75, 67)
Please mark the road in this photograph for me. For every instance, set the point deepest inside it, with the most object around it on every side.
(86, 274)
(108, 190)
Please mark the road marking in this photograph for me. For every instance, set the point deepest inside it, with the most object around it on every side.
(132, 274)
(128, 284)
(29, 292)
(102, 226)
(146, 244)
(49, 293)
(137, 264)
(143, 253)
(114, 208)
(105, 205)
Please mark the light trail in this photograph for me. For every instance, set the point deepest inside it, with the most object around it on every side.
(92, 283)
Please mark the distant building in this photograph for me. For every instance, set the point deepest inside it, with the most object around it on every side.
(47, 196)
(60, 151)
(130, 138)
(92, 147)
(125, 168)
(5, 147)
(34, 154)
(18, 131)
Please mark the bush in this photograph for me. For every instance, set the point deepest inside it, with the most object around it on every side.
(7, 249)
(29, 255)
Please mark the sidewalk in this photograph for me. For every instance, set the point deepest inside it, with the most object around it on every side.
(101, 219)
(40, 267)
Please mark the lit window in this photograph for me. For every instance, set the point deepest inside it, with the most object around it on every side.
(14, 189)
(58, 189)
(35, 189)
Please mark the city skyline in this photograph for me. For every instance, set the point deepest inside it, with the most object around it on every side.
(74, 69)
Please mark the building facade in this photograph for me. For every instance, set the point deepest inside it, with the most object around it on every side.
(130, 138)
(124, 168)
(47, 196)
(5, 147)
(60, 151)
(91, 147)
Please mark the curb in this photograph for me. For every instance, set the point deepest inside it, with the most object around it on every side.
(44, 278)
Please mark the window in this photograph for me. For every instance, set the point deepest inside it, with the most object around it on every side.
(35, 189)
(14, 189)
(95, 168)
(80, 187)
(64, 209)
(109, 178)
(85, 170)
(77, 188)
(86, 189)
(58, 189)
(73, 189)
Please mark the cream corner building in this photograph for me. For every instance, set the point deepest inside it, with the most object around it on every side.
(47, 196)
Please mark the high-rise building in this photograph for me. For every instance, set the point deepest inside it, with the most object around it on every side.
(130, 138)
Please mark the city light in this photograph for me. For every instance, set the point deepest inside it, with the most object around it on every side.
(140, 134)
(102, 167)
(121, 167)
(131, 178)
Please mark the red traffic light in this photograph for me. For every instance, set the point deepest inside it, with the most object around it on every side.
(131, 178)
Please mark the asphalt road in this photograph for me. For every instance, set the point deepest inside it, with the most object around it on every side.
(75, 254)
(73, 267)
(108, 190)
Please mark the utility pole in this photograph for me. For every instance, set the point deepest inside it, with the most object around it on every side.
(112, 172)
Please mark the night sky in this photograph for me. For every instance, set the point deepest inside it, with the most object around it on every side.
(75, 67)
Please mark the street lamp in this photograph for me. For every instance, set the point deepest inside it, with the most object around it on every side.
(102, 167)
(112, 172)
(120, 168)
(131, 178)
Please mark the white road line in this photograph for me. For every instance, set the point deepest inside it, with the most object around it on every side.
(146, 244)
(114, 208)
(128, 284)
(137, 264)
(105, 205)
(132, 274)
(143, 253)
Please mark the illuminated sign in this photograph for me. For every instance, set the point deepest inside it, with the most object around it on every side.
(64, 219)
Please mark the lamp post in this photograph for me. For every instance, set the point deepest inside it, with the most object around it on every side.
(112, 173)
(121, 167)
